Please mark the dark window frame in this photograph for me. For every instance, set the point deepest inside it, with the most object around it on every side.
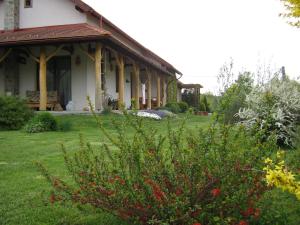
(28, 4)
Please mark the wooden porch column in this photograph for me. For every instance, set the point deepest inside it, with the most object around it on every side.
(121, 66)
(136, 79)
(43, 79)
(42, 61)
(158, 91)
(164, 92)
(149, 94)
(98, 88)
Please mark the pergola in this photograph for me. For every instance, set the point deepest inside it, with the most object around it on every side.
(192, 88)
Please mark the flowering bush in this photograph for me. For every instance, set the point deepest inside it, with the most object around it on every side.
(153, 114)
(205, 177)
(274, 108)
(278, 175)
(148, 115)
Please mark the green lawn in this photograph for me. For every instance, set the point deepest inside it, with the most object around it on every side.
(23, 190)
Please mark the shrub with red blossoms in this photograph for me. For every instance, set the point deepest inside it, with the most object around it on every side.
(182, 177)
(216, 192)
(243, 222)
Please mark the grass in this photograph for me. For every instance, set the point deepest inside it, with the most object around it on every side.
(23, 191)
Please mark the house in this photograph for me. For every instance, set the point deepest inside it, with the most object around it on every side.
(61, 51)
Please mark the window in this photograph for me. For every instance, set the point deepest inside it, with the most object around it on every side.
(27, 3)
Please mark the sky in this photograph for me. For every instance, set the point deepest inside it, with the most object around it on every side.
(199, 36)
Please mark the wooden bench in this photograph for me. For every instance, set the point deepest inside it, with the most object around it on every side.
(33, 99)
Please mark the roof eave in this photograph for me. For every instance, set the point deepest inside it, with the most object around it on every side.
(51, 41)
(88, 9)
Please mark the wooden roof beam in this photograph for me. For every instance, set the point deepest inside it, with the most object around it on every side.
(5, 55)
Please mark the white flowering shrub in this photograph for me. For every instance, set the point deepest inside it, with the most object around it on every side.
(275, 108)
(148, 115)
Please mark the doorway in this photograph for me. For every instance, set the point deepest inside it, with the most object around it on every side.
(59, 78)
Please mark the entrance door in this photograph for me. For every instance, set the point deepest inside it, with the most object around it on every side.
(59, 78)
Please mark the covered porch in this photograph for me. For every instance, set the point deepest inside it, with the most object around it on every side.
(56, 70)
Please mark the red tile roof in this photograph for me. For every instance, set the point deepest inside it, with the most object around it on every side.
(51, 34)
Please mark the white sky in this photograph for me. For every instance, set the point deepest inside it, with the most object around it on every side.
(199, 36)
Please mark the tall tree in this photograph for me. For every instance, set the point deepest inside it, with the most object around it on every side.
(293, 11)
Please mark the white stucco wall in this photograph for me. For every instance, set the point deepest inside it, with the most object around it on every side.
(28, 77)
(92, 21)
(128, 87)
(1, 15)
(91, 81)
(154, 87)
(50, 12)
(110, 77)
(79, 80)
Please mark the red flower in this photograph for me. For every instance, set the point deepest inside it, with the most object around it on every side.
(116, 178)
(158, 193)
(197, 224)
(195, 213)
(178, 191)
(243, 222)
(216, 192)
(52, 198)
(248, 212)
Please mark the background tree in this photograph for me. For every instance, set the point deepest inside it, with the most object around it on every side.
(234, 97)
(293, 11)
(212, 101)
(225, 76)
(205, 102)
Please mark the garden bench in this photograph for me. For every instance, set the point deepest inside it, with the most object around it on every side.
(33, 99)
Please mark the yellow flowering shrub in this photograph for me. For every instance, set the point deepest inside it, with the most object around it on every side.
(279, 176)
